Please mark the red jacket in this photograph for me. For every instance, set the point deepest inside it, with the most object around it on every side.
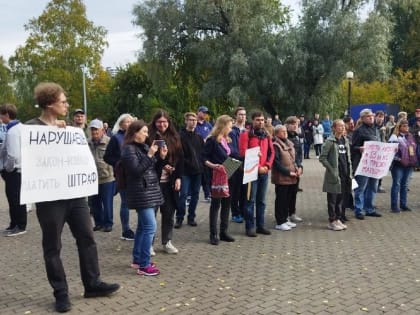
(265, 144)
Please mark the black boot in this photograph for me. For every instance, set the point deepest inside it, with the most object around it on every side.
(213, 239)
(226, 237)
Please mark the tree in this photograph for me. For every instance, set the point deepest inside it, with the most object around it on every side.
(61, 39)
(6, 90)
(330, 40)
(405, 45)
(131, 91)
(217, 44)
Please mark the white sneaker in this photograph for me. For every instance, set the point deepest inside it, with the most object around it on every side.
(152, 251)
(170, 249)
(283, 227)
(334, 226)
(291, 224)
(295, 218)
(341, 224)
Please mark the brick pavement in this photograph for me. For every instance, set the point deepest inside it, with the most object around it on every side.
(370, 268)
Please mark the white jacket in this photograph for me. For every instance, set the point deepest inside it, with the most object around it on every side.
(318, 132)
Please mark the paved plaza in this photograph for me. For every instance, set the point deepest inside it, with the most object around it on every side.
(373, 267)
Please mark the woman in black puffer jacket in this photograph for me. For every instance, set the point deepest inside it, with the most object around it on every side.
(143, 192)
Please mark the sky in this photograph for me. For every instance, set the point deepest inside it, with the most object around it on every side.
(115, 16)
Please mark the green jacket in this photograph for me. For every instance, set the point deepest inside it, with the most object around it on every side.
(105, 171)
(329, 159)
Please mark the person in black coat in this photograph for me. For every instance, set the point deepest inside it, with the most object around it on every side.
(216, 150)
(143, 192)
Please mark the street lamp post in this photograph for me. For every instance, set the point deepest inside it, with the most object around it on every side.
(84, 69)
(349, 77)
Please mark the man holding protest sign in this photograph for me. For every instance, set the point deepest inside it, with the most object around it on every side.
(257, 136)
(364, 194)
(52, 215)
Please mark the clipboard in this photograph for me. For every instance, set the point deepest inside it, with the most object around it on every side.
(231, 165)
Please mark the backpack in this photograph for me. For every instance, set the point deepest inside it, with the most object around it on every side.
(407, 149)
(120, 176)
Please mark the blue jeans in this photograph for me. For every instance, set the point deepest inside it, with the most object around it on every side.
(257, 198)
(103, 205)
(364, 195)
(400, 179)
(124, 212)
(190, 186)
(146, 229)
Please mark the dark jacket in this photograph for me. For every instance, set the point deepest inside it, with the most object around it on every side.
(360, 135)
(234, 135)
(192, 145)
(214, 151)
(143, 189)
(295, 139)
(113, 150)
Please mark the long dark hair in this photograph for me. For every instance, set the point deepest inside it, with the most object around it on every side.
(171, 136)
(134, 127)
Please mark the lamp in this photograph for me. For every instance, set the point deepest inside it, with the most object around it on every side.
(349, 77)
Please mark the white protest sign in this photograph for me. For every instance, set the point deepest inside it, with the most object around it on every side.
(251, 163)
(376, 159)
(56, 164)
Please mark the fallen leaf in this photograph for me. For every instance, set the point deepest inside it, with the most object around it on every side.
(162, 309)
(365, 309)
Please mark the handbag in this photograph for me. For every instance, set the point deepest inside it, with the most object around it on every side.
(219, 183)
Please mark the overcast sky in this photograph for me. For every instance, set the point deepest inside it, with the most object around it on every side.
(115, 16)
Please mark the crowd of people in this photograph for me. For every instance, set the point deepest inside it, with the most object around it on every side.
(153, 166)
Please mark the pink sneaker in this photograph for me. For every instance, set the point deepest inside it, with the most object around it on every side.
(148, 271)
(137, 266)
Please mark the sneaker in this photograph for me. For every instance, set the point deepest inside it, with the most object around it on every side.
(291, 224)
(128, 235)
(152, 251)
(341, 224)
(101, 289)
(373, 214)
(192, 223)
(137, 266)
(15, 232)
(8, 229)
(187, 201)
(178, 224)
(405, 208)
(237, 219)
(283, 227)
(381, 190)
(262, 230)
(251, 233)
(207, 199)
(108, 229)
(334, 226)
(149, 270)
(169, 248)
(295, 218)
(62, 304)
(98, 228)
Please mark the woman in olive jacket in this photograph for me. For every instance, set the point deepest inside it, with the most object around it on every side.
(143, 192)
(335, 157)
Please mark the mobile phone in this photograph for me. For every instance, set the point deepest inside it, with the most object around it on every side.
(160, 143)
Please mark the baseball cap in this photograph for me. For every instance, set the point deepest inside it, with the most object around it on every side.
(366, 112)
(96, 123)
(78, 111)
(203, 109)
